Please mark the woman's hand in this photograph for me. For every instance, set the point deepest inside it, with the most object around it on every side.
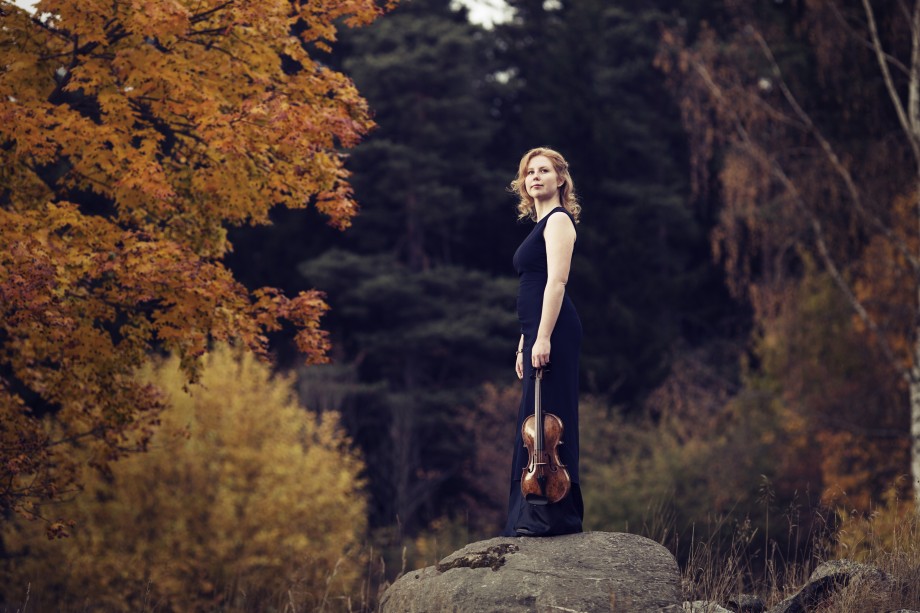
(539, 355)
(519, 365)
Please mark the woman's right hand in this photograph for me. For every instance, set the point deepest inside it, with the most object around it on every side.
(519, 365)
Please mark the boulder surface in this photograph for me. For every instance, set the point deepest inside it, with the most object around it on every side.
(588, 572)
(827, 580)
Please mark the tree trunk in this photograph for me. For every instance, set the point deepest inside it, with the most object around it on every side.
(915, 421)
(909, 117)
(913, 378)
(403, 445)
(912, 130)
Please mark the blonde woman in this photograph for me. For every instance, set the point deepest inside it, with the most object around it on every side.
(550, 333)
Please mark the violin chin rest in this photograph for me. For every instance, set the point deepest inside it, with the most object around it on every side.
(536, 499)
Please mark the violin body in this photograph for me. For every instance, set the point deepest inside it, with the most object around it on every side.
(545, 479)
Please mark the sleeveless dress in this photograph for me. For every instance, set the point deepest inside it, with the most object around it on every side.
(559, 388)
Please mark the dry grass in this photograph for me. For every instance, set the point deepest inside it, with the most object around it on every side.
(888, 539)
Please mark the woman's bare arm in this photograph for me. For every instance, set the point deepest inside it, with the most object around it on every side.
(559, 235)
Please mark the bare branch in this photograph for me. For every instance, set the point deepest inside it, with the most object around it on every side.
(775, 114)
(716, 91)
(889, 82)
(835, 160)
(220, 30)
(868, 43)
(205, 14)
(830, 265)
(211, 45)
(904, 9)
(913, 98)
(64, 34)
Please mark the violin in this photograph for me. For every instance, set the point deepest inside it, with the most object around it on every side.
(545, 480)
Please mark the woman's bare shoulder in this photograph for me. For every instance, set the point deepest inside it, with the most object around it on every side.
(560, 222)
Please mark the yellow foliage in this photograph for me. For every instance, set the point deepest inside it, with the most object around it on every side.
(849, 465)
(243, 498)
(884, 281)
(889, 531)
(131, 135)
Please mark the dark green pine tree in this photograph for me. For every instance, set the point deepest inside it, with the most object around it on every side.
(422, 173)
(583, 81)
(419, 326)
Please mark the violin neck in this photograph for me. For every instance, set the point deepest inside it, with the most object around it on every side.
(538, 414)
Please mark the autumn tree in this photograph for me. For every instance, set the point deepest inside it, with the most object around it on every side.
(814, 112)
(244, 501)
(131, 136)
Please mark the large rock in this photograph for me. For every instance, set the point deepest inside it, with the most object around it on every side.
(704, 606)
(829, 579)
(589, 572)
(746, 603)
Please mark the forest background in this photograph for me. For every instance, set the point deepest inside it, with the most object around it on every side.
(745, 270)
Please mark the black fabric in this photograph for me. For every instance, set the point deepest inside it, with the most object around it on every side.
(559, 389)
(563, 517)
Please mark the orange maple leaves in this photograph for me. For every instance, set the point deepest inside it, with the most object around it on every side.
(131, 135)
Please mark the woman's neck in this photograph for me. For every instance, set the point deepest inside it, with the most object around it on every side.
(542, 207)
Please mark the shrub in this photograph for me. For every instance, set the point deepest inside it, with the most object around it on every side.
(245, 498)
(890, 530)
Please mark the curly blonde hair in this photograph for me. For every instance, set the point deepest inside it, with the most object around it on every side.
(526, 207)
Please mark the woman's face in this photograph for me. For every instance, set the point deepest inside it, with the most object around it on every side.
(541, 180)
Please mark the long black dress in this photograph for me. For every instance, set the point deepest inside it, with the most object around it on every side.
(559, 387)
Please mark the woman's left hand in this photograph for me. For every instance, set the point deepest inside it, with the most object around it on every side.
(539, 355)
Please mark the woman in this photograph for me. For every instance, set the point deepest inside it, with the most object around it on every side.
(550, 329)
